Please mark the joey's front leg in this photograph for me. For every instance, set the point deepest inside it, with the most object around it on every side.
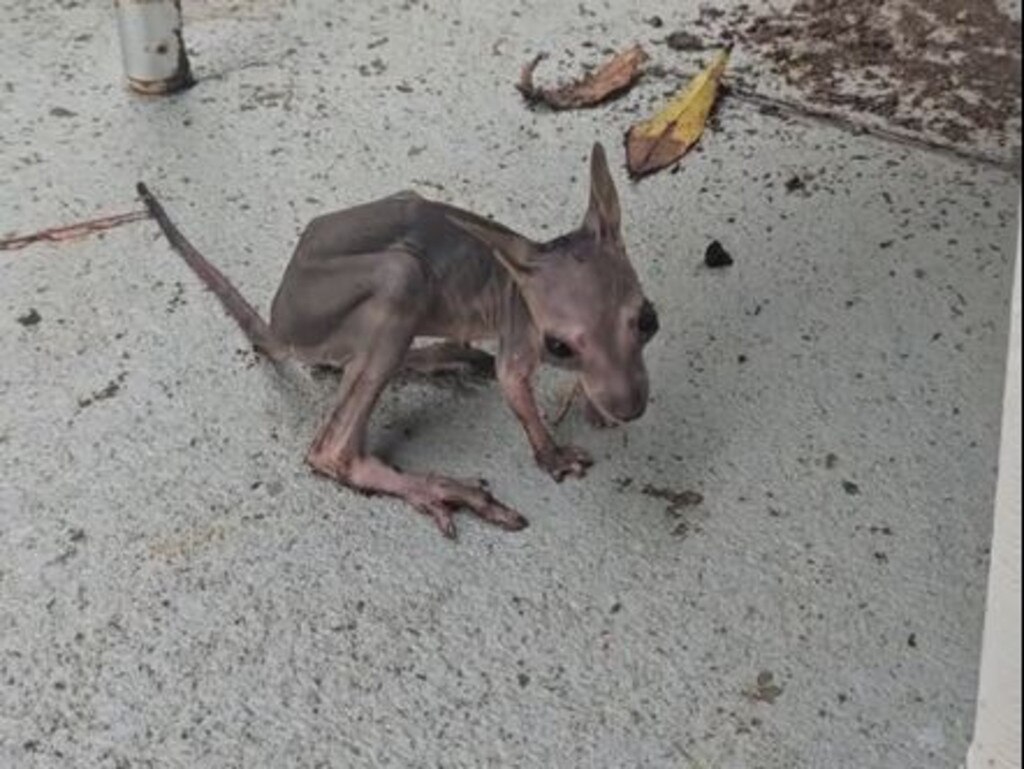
(515, 378)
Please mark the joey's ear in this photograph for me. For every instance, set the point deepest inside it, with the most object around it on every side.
(516, 253)
(603, 213)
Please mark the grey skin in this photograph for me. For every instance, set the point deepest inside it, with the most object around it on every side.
(365, 282)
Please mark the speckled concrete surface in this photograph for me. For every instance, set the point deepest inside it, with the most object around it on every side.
(176, 590)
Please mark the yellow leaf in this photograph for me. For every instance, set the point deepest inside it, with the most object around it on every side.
(666, 137)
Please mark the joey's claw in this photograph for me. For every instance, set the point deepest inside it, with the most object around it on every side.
(509, 520)
(562, 461)
(441, 497)
(445, 522)
(441, 513)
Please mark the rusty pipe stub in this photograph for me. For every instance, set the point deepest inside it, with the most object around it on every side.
(152, 46)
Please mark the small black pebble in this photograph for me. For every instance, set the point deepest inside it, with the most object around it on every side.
(655, 21)
(616, 608)
(30, 318)
(795, 184)
(684, 41)
(912, 640)
(851, 488)
(524, 680)
(716, 256)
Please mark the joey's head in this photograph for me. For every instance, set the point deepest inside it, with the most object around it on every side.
(585, 301)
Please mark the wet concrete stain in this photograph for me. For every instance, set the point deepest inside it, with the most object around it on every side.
(765, 689)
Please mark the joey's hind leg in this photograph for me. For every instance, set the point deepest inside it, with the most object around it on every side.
(385, 325)
(338, 451)
(450, 358)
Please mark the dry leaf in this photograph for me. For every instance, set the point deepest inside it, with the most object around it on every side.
(666, 137)
(612, 78)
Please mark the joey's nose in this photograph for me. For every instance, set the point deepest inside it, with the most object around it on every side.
(620, 399)
(628, 407)
(636, 399)
(635, 410)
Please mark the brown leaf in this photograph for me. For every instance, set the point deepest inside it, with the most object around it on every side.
(611, 79)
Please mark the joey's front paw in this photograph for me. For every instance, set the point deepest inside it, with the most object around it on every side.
(562, 461)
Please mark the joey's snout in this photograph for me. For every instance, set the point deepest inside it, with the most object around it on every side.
(620, 398)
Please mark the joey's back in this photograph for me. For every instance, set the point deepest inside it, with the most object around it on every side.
(409, 243)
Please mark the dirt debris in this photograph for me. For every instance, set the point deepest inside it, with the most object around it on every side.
(30, 318)
(677, 500)
(941, 67)
(682, 40)
(715, 256)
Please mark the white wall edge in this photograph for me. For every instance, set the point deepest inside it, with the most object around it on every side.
(997, 729)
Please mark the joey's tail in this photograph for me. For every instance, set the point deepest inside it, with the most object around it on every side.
(245, 314)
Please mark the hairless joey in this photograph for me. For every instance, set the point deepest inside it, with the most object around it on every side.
(365, 283)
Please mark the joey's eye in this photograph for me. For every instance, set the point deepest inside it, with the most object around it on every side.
(556, 347)
(647, 321)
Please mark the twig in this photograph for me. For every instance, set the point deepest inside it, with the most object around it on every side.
(72, 231)
(858, 127)
(566, 404)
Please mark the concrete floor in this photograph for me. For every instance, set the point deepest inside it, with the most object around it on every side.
(176, 589)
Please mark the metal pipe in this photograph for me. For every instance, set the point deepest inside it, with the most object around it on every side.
(152, 47)
(997, 727)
